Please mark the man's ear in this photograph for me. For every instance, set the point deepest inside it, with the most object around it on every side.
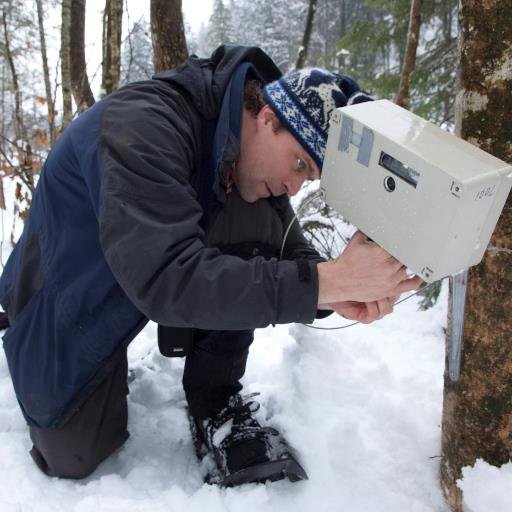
(267, 117)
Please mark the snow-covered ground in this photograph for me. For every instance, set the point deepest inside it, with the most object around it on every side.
(361, 405)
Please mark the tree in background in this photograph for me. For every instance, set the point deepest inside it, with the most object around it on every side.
(65, 63)
(17, 158)
(330, 26)
(304, 48)
(275, 27)
(220, 28)
(167, 34)
(274, 36)
(413, 36)
(137, 54)
(79, 80)
(477, 414)
(362, 38)
(197, 43)
(376, 60)
(111, 45)
(46, 73)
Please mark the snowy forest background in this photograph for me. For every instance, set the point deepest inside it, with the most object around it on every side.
(362, 38)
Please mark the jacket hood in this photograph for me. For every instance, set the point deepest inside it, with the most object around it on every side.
(206, 80)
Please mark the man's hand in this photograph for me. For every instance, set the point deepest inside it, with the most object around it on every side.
(364, 272)
(364, 312)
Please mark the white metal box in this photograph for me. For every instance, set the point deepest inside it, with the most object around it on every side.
(429, 198)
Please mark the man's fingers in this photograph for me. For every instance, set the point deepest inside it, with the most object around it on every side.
(372, 311)
(385, 307)
(408, 285)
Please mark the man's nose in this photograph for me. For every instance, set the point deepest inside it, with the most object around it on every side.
(293, 184)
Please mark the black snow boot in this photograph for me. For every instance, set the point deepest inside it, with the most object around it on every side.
(243, 451)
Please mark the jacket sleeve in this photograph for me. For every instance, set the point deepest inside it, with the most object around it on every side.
(150, 232)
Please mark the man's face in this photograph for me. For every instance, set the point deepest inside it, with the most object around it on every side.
(272, 162)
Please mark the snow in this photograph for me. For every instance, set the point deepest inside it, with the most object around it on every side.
(487, 487)
(362, 406)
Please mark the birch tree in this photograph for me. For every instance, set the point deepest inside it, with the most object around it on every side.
(477, 413)
(111, 45)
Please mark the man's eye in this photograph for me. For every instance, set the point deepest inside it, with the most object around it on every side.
(300, 164)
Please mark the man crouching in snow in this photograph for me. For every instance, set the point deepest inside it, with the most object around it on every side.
(168, 201)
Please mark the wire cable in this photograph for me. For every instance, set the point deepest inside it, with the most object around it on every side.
(312, 198)
(423, 288)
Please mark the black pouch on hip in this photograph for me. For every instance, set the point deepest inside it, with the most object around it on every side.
(175, 341)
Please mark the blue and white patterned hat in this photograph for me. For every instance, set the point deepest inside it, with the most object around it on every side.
(303, 101)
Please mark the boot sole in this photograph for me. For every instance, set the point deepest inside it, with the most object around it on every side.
(271, 471)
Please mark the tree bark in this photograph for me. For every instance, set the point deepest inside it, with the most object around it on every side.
(46, 73)
(413, 36)
(112, 27)
(79, 80)
(21, 132)
(65, 71)
(167, 34)
(306, 38)
(477, 412)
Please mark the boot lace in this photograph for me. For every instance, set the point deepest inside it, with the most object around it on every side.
(235, 423)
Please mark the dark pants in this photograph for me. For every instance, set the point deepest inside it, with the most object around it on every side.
(99, 427)
(95, 431)
(214, 368)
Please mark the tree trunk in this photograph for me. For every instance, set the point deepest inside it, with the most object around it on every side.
(343, 19)
(112, 26)
(21, 132)
(48, 88)
(477, 413)
(306, 38)
(167, 34)
(413, 36)
(65, 71)
(79, 80)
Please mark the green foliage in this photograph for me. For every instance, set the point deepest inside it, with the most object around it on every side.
(372, 51)
(430, 294)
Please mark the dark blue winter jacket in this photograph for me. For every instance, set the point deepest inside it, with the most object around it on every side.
(115, 236)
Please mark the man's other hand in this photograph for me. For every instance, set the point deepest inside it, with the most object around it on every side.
(364, 312)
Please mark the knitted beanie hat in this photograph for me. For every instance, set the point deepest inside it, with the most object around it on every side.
(303, 101)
